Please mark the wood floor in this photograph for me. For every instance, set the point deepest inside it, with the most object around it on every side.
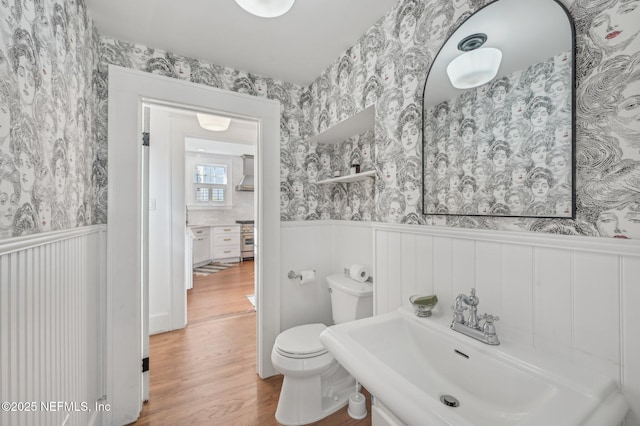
(205, 374)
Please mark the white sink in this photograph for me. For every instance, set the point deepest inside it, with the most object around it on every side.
(408, 363)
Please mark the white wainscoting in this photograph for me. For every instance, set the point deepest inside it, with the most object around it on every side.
(326, 246)
(52, 326)
(304, 245)
(575, 297)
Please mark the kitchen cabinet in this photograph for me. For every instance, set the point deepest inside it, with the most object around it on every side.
(201, 245)
(188, 258)
(225, 242)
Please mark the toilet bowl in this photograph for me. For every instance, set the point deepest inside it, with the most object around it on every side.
(315, 385)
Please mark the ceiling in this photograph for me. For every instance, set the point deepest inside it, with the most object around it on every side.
(295, 48)
(240, 138)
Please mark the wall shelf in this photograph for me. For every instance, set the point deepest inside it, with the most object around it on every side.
(349, 178)
(352, 126)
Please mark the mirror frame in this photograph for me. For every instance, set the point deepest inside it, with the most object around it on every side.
(572, 98)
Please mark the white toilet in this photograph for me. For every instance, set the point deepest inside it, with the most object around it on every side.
(315, 385)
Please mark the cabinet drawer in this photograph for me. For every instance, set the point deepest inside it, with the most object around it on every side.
(226, 229)
(224, 252)
(224, 240)
(197, 232)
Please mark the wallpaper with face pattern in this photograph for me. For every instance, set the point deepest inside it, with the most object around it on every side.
(504, 148)
(387, 66)
(302, 164)
(49, 176)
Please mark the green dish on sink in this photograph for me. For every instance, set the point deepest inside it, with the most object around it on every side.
(423, 304)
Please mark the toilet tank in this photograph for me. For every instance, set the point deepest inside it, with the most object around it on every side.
(350, 299)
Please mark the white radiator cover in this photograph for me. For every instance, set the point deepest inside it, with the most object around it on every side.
(52, 326)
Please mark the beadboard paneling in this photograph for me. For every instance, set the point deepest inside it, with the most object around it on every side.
(304, 245)
(630, 335)
(575, 298)
(552, 304)
(51, 332)
(517, 288)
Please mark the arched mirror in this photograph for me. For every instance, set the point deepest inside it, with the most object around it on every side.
(498, 114)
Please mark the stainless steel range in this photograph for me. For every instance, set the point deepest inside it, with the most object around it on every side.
(246, 239)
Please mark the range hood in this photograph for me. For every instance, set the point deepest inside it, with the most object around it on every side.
(246, 183)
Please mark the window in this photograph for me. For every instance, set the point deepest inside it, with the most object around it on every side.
(211, 184)
(210, 173)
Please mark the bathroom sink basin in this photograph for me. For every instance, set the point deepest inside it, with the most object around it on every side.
(412, 364)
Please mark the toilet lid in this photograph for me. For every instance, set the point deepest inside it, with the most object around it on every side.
(302, 340)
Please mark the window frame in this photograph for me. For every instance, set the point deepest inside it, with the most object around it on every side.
(210, 161)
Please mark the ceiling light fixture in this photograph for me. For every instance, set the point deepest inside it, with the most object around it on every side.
(476, 66)
(215, 123)
(266, 8)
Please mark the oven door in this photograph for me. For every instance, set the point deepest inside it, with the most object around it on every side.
(246, 244)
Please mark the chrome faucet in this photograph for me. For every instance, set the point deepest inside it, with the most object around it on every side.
(471, 327)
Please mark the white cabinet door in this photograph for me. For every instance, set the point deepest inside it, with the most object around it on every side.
(201, 245)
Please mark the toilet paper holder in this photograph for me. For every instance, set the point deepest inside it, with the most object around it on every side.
(294, 276)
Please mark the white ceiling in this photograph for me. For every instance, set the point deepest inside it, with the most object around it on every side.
(295, 48)
(240, 138)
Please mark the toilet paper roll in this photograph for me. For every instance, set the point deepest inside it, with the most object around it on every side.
(358, 272)
(307, 276)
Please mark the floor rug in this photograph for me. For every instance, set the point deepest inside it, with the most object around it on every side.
(211, 268)
(252, 299)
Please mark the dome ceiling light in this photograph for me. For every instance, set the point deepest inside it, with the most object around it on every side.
(476, 66)
(214, 123)
(266, 8)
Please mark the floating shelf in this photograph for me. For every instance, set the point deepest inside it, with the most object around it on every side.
(352, 126)
(350, 178)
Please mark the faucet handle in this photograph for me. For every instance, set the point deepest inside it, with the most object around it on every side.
(490, 319)
(488, 328)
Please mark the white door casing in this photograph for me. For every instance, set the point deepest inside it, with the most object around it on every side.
(127, 90)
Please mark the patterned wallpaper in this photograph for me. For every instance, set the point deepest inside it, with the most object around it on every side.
(387, 66)
(504, 148)
(301, 165)
(49, 176)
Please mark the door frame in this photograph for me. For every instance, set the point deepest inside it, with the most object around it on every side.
(127, 91)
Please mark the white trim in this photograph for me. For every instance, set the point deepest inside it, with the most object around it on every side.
(298, 223)
(354, 224)
(128, 89)
(580, 243)
(14, 244)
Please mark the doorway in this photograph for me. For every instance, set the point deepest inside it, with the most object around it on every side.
(128, 89)
(196, 172)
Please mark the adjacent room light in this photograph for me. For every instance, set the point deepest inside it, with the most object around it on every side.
(474, 68)
(266, 8)
(215, 123)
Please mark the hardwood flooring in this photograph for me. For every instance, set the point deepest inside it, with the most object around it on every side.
(205, 374)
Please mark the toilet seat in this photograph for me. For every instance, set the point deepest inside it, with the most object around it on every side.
(301, 342)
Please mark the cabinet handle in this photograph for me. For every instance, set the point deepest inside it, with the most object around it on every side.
(227, 251)
(227, 229)
(227, 239)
